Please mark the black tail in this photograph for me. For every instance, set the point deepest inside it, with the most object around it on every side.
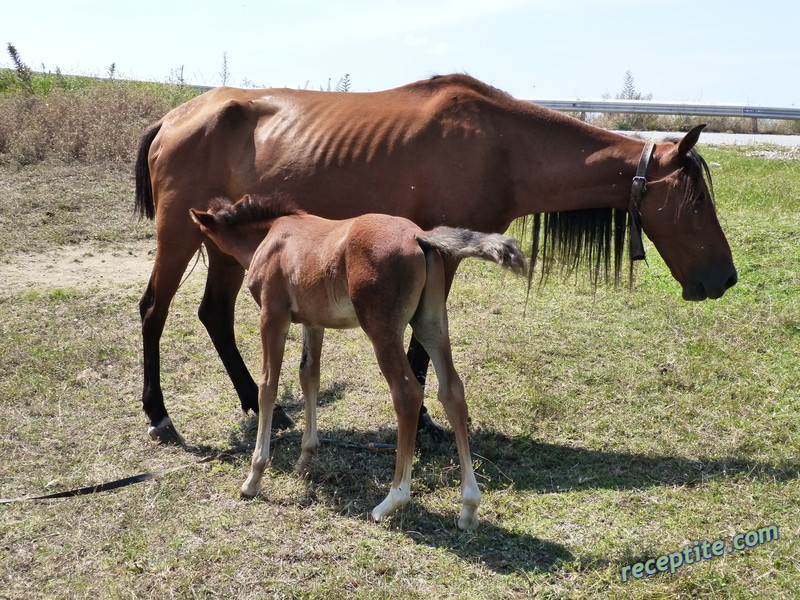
(464, 243)
(144, 205)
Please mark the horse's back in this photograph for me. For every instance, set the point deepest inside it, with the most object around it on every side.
(415, 151)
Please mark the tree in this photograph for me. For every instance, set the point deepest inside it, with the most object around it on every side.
(629, 90)
(633, 121)
(344, 83)
(24, 73)
(224, 73)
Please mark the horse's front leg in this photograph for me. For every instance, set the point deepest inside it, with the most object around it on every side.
(216, 312)
(309, 382)
(273, 342)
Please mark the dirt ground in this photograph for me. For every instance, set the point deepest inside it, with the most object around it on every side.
(77, 266)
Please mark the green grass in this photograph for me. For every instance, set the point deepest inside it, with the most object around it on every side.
(608, 428)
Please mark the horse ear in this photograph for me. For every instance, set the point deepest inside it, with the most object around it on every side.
(203, 219)
(689, 140)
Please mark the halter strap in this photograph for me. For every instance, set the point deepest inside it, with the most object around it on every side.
(638, 190)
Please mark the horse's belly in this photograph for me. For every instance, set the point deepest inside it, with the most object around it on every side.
(335, 314)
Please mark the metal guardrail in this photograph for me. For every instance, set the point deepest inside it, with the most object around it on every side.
(654, 108)
(668, 108)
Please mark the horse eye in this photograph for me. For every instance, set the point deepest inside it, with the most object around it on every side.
(698, 203)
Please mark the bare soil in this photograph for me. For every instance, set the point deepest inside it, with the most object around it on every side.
(77, 266)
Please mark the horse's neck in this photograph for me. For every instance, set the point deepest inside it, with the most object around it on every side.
(564, 165)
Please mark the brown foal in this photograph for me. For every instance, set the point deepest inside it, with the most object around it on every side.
(375, 271)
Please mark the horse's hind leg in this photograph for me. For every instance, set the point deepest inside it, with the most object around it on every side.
(430, 328)
(451, 395)
(419, 360)
(170, 264)
(216, 312)
(407, 399)
(309, 382)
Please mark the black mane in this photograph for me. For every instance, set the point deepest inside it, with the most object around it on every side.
(695, 170)
(568, 242)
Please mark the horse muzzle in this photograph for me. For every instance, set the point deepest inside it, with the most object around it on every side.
(710, 286)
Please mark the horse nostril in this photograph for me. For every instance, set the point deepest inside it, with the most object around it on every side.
(731, 281)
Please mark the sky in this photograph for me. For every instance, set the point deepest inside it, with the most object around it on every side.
(702, 51)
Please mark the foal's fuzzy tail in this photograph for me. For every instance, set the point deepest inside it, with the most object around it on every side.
(464, 243)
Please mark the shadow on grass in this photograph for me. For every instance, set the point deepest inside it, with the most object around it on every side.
(527, 464)
(542, 467)
(499, 549)
(351, 480)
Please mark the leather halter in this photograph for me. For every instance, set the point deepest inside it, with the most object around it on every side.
(638, 190)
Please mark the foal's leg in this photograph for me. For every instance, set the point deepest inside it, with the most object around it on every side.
(273, 341)
(451, 395)
(430, 328)
(170, 263)
(217, 308)
(407, 398)
(419, 360)
(309, 382)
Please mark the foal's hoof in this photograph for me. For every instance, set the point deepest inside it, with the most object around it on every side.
(165, 433)
(280, 420)
(468, 519)
(249, 489)
(301, 466)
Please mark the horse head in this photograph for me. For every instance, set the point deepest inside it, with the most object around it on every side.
(678, 215)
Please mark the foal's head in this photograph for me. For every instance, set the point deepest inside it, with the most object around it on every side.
(237, 228)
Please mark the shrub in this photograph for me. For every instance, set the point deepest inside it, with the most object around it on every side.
(80, 119)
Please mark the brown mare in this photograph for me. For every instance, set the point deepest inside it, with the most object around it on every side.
(449, 150)
(377, 272)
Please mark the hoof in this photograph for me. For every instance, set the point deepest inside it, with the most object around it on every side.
(395, 500)
(301, 466)
(165, 433)
(280, 420)
(468, 519)
(249, 490)
(436, 434)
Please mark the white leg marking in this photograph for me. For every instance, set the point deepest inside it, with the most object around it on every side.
(470, 498)
(252, 485)
(396, 499)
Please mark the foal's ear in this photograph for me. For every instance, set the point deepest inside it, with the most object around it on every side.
(203, 219)
(689, 140)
